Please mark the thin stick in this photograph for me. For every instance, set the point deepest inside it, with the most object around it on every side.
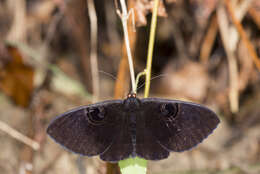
(232, 61)
(124, 17)
(150, 49)
(17, 135)
(93, 49)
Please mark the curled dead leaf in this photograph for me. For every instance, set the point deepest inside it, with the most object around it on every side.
(144, 7)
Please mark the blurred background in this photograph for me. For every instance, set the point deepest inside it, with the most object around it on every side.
(206, 51)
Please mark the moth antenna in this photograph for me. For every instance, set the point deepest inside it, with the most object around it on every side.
(155, 77)
(108, 74)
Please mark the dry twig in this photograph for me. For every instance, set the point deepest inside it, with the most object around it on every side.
(93, 49)
(19, 136)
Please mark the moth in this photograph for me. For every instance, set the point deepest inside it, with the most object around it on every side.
(149, 128)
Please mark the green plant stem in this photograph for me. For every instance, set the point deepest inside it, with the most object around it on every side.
(150, 49)
(139, 75)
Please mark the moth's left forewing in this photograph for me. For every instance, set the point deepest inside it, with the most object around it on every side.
(178, 125)
(78, 131)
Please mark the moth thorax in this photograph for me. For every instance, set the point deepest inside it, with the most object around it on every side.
(132, 104)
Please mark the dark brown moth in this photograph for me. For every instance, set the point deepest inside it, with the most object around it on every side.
(149, 128)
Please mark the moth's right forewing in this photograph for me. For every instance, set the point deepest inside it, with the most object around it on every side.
(178, 125)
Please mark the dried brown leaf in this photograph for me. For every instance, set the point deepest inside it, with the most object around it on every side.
(16, 79)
